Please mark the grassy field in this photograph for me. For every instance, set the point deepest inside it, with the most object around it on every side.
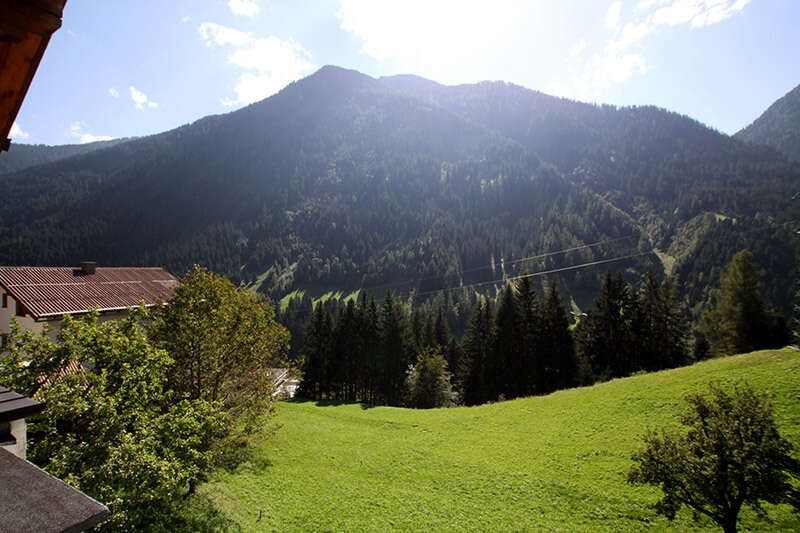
(553, 463)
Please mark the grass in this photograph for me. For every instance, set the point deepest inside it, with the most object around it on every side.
(284, 302)
(553, 463)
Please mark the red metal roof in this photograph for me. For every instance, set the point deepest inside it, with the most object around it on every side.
(53, 291)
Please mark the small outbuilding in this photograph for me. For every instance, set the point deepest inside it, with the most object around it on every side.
(31, 500)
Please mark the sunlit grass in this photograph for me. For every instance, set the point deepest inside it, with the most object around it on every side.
(554, 463)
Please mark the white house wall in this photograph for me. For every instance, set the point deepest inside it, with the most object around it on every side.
(19, 430)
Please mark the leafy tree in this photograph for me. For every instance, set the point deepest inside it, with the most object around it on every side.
(732, 455)
(741, 320)
(224, 342)
(428, 384)
(112, 427)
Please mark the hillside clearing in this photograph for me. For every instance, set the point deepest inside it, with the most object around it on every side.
(553, 463)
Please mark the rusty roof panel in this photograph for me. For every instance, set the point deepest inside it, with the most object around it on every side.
(54, 291)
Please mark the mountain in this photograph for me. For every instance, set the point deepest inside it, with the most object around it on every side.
(778, 126)
(22, 156)
(342, 181)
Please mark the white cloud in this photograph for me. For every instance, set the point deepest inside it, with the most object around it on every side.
(622, 56)
(185, 19)
(17, 133)
(217, 34)
(613, 15)
(245, 8)
(113, 92)
(76, 130)
(578, 49)
(269, 62)
(610, 68)
(427, 36)
(140, 99)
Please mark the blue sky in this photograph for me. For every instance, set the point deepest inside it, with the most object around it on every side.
(127, 68)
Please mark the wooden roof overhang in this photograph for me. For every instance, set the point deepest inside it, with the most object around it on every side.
(25, 30)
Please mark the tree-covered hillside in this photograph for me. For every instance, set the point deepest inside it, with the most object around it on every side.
(341, 181)
(22, 156)
(778, 126)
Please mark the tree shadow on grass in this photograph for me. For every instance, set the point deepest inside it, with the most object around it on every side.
(331, 403)
(198, 513)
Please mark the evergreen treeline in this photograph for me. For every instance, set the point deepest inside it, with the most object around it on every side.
(519, 343)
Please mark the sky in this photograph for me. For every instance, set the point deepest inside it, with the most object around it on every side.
(130, 68)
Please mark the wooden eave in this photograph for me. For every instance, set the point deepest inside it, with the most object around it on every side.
(25, 30)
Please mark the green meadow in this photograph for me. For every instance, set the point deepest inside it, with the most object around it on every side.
(551, 463)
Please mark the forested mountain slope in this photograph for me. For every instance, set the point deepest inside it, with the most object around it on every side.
(343, 181)
(698, 194)
(778, 126)
(22, 156)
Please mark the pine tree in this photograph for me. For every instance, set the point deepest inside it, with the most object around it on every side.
(557, 346)
(370, 341)
(316, 353)
(604, 335)
(396, 344)
(740, 320)
(532, 371)
(478, 349)
(505, 367)
(346, 349)
(659, 326)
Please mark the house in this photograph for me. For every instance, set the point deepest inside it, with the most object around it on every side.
(284, 382)
(31, 500)
(39, 297)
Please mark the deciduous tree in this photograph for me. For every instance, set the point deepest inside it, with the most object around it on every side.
(731, 455)
(224, 341)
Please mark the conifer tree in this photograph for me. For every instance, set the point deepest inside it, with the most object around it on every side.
(478, 349)
(740, 320)
(505, 367)
(604, 335)
(370, 341)
(316, 353)
(557, 346)
(660, 326)
(346, 348)
(396, 350)
(532, 372)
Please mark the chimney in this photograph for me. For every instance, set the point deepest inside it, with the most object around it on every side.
(88, 267)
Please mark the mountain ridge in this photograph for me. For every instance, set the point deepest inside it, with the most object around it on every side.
(341, 181)
(778, 126)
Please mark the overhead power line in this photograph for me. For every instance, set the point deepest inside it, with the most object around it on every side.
(535, 274)
(490, 266)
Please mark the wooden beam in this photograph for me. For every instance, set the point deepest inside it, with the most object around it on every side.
(25, 30)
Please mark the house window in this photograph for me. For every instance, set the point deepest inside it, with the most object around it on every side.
(5, 300)
(20, 310)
